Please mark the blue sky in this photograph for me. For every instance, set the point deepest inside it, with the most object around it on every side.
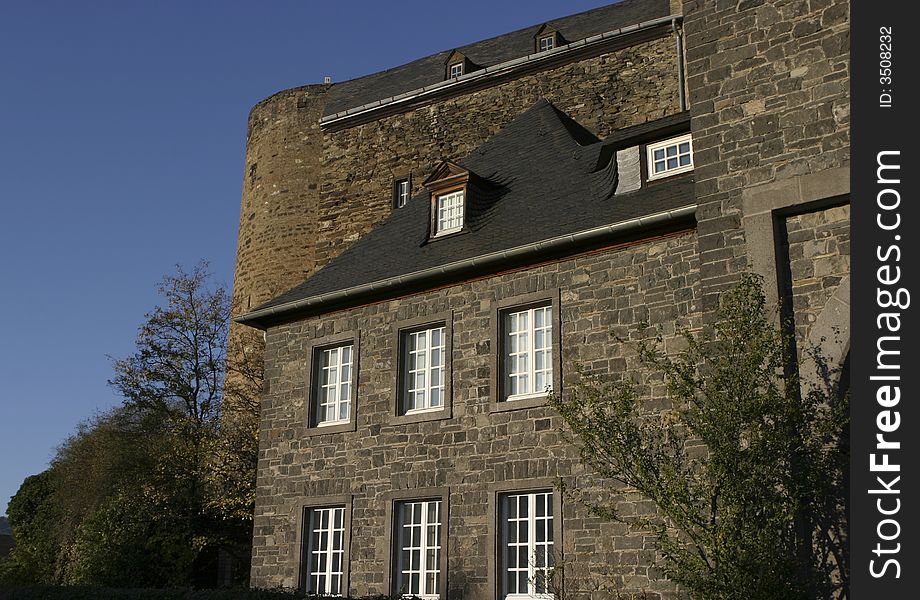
(122, 137)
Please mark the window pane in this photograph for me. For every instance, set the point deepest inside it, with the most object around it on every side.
(511, 582)
(423, 359)
(419, 545)
(674, 156)
(325, 556)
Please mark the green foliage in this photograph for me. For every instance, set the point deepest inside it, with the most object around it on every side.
(746, 468)
(145, 494)
(33, 515)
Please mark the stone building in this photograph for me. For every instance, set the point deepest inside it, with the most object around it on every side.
(430, 249)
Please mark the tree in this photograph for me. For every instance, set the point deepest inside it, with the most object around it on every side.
(145, 494)
(32, 516)
(746, 468)
(204, 479)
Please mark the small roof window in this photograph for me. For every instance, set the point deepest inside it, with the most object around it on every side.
(449, 188)
(547, 38)
(449, 210)
(402, 189)
(670, 157)
(457, 64)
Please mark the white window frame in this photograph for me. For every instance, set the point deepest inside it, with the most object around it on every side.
(417, 381)
(402, 192)
(334, 524)
(338, 383)
(532, 524)
(455, 70)
(546, 38)
(527, 350)
(664, 147)
(429, 541)
(446, 223)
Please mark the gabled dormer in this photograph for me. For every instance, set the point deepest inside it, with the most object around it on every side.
(547, 38)
(457, 65)
(449, 188)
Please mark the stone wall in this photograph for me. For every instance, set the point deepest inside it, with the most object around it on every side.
(309, 194)
(280, 195)
(819, 262)
(769, 101)
(621, 88)
(601, 295)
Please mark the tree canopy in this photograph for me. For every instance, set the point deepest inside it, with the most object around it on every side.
(147, 493)
(746, 468)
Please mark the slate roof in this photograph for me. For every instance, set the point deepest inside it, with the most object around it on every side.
(544, 176)
(430, 70)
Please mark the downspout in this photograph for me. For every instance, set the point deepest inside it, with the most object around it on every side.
(679, 36)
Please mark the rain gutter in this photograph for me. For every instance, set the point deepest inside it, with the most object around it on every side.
(560, 55)
(262, 318)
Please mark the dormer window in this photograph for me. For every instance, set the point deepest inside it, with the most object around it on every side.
(449, 188)
(547, 38)
(457, 65)
(670, 157)
(449, 212)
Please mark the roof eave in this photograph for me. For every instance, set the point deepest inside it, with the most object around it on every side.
(621, 37)
(394, 286)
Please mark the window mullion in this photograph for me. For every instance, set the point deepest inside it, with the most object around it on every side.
(428, 353)
(532, 544)
(532, 359)
(423, 549)
(429, 391)
(329, 545)
(337, 386)
(340, 386)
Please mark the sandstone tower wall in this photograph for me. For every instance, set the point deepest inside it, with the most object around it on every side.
(278, 214)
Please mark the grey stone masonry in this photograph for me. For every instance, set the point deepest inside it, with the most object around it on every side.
(769, 101)
(819, 263)
(476, 449)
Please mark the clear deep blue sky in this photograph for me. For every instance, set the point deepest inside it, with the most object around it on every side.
(122, 138)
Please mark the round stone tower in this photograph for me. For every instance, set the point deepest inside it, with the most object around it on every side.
(281, 185)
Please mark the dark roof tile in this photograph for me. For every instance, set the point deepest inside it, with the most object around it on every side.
(544, 176)
(430, 69)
